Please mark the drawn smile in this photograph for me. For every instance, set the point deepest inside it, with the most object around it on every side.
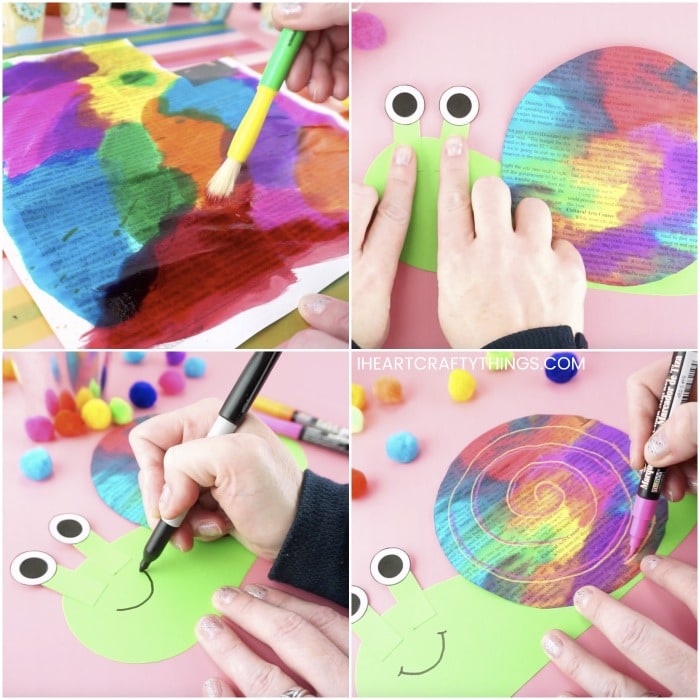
(402, 672)
(145, 600)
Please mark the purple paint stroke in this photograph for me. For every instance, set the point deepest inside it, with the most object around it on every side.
(34, 76)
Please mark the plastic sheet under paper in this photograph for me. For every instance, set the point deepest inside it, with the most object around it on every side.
(609, 141)
(106, 161)
(538, 507)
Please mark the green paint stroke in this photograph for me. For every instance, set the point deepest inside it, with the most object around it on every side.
(138, 78)
(146, 194)
(69, 234)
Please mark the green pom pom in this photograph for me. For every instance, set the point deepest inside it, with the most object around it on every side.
(122, 413)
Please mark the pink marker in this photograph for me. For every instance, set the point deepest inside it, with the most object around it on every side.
(675, 392)
(306, 433)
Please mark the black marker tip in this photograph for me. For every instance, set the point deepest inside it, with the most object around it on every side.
(143, 565)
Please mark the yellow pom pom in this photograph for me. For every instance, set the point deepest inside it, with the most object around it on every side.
(96, 414)
(461, 385)
(82, 397)
(357, 396)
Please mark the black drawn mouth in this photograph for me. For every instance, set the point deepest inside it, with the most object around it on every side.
(145, 600)
(402, 672)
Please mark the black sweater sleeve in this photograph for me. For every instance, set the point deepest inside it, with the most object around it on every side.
(314, 556)
(545, 338)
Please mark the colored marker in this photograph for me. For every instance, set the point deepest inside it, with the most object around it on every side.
(307, 433)
(280, 410)
(230, 417)
(675, 392)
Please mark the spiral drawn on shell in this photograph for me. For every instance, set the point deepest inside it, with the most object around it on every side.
(538, 507)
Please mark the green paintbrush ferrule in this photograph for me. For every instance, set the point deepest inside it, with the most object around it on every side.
(285, 52)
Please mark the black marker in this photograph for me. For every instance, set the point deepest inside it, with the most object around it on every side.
(230, 417)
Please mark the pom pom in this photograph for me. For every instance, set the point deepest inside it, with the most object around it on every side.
(36, 464)
(39, 429)
(357, 420)
(68, 423)
(175, 358)
(561, 367)
(358, 484)
(195, 367)
(142, 394)
(66, 401)
(8, 370)
(357, 396)
(97, 414)
(94, 388)
(82, 397)
(402, 447)
(172, 382)
(367, 31)
(497, 360)
(51, 402)
(134, 357)
(388, 390)
(461, 385)
(122, 413)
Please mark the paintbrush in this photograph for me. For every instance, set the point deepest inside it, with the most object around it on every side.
(275, 73)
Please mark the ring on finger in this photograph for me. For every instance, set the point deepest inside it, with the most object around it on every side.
(296, 692)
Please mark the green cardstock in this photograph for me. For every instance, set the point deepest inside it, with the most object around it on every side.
(145, 617)
(76, 586)
(477, 644)
(381, 638)
(108, 559)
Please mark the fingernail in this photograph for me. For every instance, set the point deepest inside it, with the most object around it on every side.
(649, 563)
(164, 497)
(402, 155)
(210, 626)
(582, 597)
(212, 688)
(255, 590)
(656, 445)
(313, 91)
(226, 594)
(692, 485)
(177, 546)
(670, 494)
(315, 304)
(290, 9)
(453, 146)
(209, 528)
(552, 645)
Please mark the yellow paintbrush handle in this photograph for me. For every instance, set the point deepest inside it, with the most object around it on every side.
(248, 130)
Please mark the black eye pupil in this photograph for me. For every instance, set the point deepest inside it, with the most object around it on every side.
(354, 603)
(404, 104)
(33, 568)
(459, 105)
(69, 528)
(390, 566)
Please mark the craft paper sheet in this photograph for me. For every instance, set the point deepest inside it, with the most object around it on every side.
(106, 161)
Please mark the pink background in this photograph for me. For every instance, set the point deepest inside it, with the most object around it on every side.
(443, 428)
(41, 657)
(500, 50)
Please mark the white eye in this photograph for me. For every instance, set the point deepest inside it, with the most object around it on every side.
(390, 566)
(404, 104)
(69, 528)
(459, 105)
(33, 568)
(358, 603)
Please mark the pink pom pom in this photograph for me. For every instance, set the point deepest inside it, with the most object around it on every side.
(172, 382)
(367, 31)
(39, 429)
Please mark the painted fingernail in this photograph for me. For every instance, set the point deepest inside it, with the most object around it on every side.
(164, 497)
(670, 494)
(255, 590)
(290, 9)
(226, 594)
(453, 146)
(402, 155)
(552, 645)
(315, 304)
(209, 528)
(210, 626)
(657, 445)
(212, 688)
(582, 598)
(649, 563)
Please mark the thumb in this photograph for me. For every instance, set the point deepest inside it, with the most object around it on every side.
(310, 16)
(676, 440)
(326, 314)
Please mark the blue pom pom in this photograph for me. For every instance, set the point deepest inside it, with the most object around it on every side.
(175, 358)
(36, 464)
(134, 357)
(561, 367)
(142, 394)
(402, 447)
(195, 367)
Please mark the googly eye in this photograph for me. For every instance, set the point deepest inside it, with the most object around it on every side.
(404, 104)
(459, 105)
(358, 603)
(33, 568)
(390, 566)
(69, 528)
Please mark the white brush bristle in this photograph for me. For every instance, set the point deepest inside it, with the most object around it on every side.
(223, 180)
